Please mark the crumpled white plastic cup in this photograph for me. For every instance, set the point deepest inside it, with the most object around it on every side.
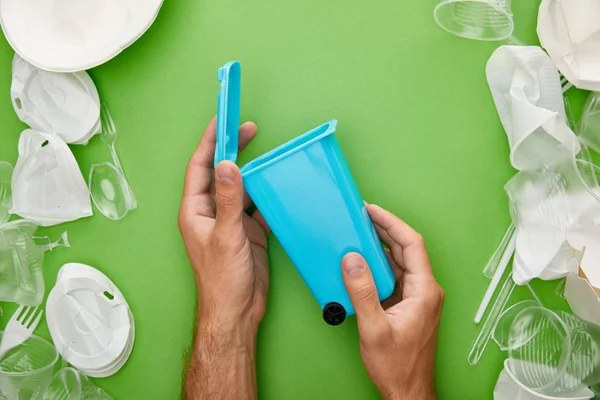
(570, 33)
(545, 206)
(527, 93)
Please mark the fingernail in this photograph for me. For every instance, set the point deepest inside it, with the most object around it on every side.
(225, 173)
(353, 265)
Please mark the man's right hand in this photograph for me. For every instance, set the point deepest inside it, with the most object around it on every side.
(398, 337)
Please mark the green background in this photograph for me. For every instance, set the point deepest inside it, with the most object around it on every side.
(418, 128)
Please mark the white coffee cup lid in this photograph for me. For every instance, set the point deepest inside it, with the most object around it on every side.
(116, 365)
(89, 320)
(65, 104)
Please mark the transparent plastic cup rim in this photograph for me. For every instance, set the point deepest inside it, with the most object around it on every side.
(580, 146)
(35, 371)
(566, 354)
(505, 13)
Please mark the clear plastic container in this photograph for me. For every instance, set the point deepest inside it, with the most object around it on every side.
(26, 370)
(476, 19)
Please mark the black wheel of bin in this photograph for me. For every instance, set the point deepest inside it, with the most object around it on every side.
(334, 314)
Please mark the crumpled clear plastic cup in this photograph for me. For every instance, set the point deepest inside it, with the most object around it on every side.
(65, 385)
(589, 129)
(26, 370)
(564, 197)
(70, 384)
(21, 262)
(6, 171)
(588, 160)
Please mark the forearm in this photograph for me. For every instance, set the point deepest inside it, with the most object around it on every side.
(222, 366)
(419, 384)
(418, 392)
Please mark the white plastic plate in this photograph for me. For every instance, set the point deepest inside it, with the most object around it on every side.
(74, 35)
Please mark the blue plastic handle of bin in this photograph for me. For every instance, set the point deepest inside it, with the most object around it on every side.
(228, 112)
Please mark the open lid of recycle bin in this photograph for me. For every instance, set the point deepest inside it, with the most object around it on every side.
(228, 112)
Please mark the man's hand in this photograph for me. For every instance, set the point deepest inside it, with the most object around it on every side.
(228, 251)
(398, 337)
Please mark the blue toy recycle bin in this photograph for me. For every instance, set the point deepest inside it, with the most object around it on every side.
(306, 193)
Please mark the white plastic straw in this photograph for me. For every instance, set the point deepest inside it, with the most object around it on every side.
(508, 253)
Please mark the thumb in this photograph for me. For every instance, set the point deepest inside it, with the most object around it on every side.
(229, 196)
(362, 291)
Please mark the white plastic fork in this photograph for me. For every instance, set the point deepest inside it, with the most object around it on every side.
(20, 327)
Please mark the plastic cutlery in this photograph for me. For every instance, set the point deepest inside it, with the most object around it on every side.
(108, 187)
(20, 327)
(109, 136)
